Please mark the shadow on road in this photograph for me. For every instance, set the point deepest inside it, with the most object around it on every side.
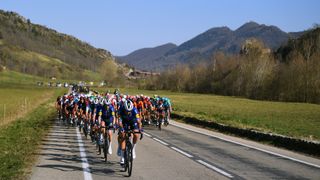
(60, 151)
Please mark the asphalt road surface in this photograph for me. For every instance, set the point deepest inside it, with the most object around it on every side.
(179, 151)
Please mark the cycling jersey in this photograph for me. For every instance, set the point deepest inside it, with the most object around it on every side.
(166, 103)
(130, 119)
(147, 105)
(160, 108)
(92, 107)
(82, 105)
(140, 106)
(108, 114)
(98, 110)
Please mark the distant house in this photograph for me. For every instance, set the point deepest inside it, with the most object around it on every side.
(53, 78)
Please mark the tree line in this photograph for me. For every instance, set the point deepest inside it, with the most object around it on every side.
(291, 73)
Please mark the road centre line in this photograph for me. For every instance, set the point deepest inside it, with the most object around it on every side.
(162, 142)
(249, 146)
(85, 164)
(182, 152)
(215, 168)
(193, 158)
(147, 134)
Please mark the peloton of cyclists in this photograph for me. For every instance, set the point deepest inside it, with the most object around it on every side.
(105, 112)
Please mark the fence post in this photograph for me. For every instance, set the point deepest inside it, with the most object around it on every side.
(4, 113)
(25, 105)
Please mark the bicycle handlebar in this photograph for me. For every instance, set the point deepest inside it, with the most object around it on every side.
(134, 132)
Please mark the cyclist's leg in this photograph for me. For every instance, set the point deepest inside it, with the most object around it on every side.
(122, 142)
(136, 127)
(109, 131)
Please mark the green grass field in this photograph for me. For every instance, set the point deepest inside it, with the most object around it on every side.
(24, 113)
(19, 95)
(292, 119)
(19, 139)
(10, 78)
(17, 102)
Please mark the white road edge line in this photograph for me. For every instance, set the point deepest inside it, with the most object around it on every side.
(215, 169)
(85, 164)
(164, 143)
(147, 134)
(182, 152)
(252, 147)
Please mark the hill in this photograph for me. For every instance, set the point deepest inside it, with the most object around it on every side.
(290, 73)
(143, 57)
(34, 49)
(203, 46)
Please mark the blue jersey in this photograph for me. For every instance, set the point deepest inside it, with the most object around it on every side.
(108, 112)
(92, 107)
(99, 109)
(129, 120)
(131, 116)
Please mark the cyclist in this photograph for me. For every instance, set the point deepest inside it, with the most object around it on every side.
(82, 106)
(108, 120)
(160, 110)
(58, 106)
(148, 109)
(129, 119)
(167, 108)
(141, 108)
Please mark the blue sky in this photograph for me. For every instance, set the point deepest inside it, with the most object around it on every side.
(122, 26)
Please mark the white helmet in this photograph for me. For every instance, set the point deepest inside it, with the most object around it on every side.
(101, 101)
(96, 101)
(128, 105)
(107, 101)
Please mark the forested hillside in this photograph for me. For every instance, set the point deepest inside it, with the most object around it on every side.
(37, 50)
(291, 73)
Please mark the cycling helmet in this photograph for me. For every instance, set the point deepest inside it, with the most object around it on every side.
(96, 101)
(76, 100)
(128, 105)
(101, 101)
(107, 101)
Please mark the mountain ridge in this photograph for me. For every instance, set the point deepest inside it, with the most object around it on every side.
(137, 58)
(203, 46)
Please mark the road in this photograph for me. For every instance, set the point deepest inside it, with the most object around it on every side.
(179, 151)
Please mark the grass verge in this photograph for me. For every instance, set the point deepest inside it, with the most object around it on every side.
(299, 120)
(18, 140)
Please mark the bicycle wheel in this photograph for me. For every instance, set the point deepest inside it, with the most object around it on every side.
(125, 160)
(85, 129)
(106, 147)
(80, 120)
(129, 162)
(159, 124)
(166, 123)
